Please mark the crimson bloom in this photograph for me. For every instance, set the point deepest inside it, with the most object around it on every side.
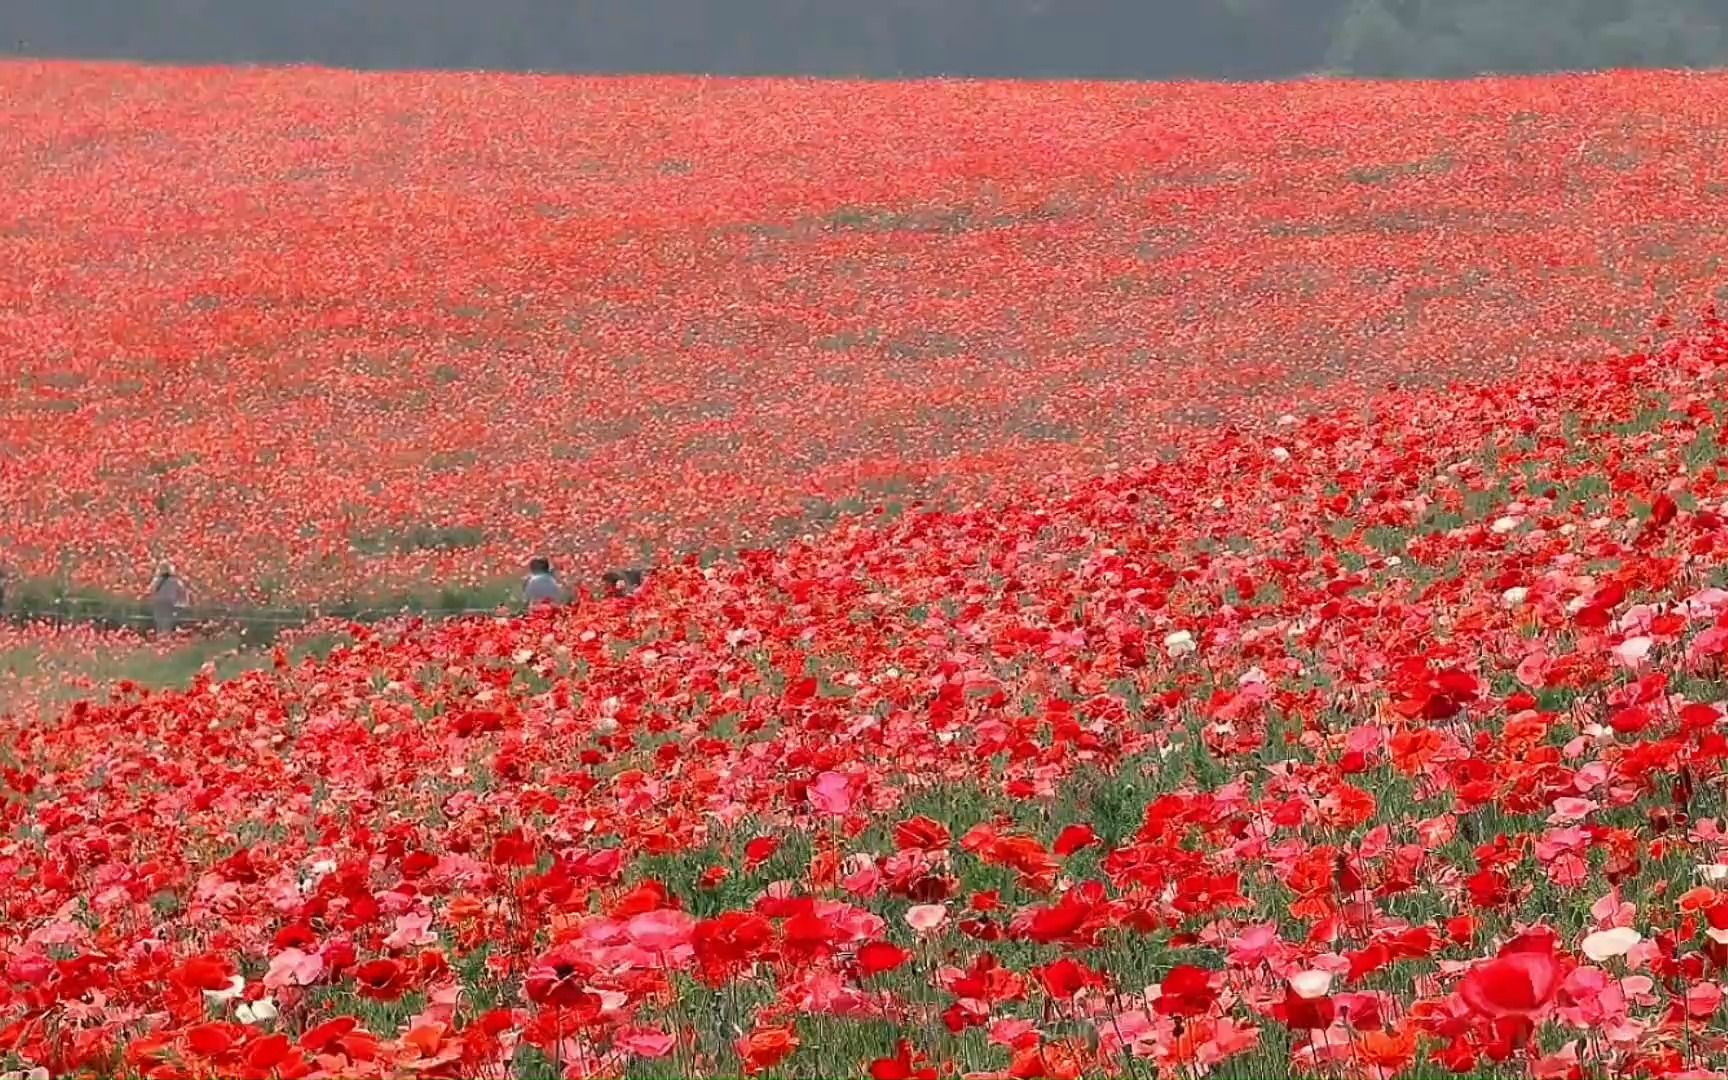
(1518, 983)
(876, 957)
(383, 979)
(1186, 991)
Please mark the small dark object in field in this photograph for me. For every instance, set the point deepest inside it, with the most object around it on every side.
(622, 582)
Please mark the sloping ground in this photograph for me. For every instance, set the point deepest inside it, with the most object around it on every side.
(1380, 743)
(315, 334)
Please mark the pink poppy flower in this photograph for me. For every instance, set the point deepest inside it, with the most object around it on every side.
(926, 918)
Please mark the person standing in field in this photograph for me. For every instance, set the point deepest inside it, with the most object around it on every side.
(542, 587)
(168, 594)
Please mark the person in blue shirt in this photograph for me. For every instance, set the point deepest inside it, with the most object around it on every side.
(542, 587)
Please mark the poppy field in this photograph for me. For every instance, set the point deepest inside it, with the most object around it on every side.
(1223, 581)
(320, 336)
(1385, 741)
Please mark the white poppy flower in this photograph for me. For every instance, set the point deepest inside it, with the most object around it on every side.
(1604, 944)
(1311, 984)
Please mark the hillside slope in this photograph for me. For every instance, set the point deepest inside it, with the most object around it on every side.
(1384, 741)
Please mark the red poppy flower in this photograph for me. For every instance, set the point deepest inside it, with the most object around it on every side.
(1074, 838)
(876, 957)
(383, 979)
(1186, 991)
(904, 1065)
(1513, 984)
(760, 850)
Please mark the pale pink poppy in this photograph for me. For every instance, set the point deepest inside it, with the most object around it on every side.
(411, 930)
(852, 923)
(926, 917)
(646, 1042)
(661, 931)
(1631, 652)
(863, 877)
(1533, 669)
(1253, 944)
(291, 967)
(1703, 999)
(824, 992)
(1610, 910)
(1706, 603)
(1568, 809)
(1558, 1065)
(1012, 1033)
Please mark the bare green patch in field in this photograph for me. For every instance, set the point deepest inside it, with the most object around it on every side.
(419, 538)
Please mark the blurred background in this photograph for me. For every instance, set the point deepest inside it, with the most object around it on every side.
(1110, 39)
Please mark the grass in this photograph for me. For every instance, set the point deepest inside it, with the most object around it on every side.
(57, 673)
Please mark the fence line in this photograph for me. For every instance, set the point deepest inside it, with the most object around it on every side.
(81, 610)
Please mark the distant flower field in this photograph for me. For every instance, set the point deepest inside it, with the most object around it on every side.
(316, 335)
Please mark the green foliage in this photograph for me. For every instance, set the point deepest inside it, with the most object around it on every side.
(1439, 38)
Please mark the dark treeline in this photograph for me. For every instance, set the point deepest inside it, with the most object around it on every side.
(1239, 39)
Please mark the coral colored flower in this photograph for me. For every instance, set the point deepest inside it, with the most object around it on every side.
(923, 834)
(1703, 999)
(765, 1047)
